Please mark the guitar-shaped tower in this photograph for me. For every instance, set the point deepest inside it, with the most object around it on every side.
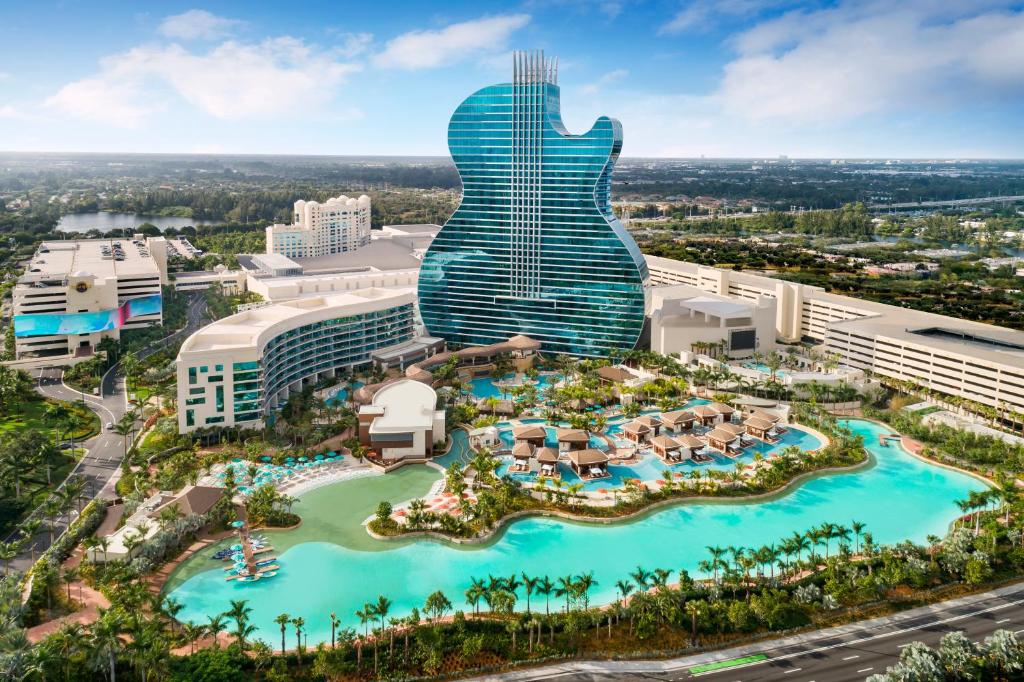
(534, 247)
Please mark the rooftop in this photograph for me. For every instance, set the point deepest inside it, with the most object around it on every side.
(407, 404)
(249, 329)
(380, 254)
(101, 258)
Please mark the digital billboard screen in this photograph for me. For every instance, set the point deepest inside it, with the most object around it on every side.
(66, 324)
(744, 339)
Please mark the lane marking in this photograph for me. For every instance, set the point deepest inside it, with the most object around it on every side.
(1004, 620)
(792, 670)
(864, 670)
(883, 635)
(850, 658)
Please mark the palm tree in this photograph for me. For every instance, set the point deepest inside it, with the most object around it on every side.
(381, 609)
(641, 577)
(334, 626)
(584, 583)
(529, 585)
(545, 587)
(716, 558)
(858, 530)
(299, 623)
(215, 626)
(566, 588)
(106, 640)
(239, 612)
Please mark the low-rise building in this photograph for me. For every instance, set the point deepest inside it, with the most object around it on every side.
(682, 317)
(403, 421)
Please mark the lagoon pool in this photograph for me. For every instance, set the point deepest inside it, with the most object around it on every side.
(335, 569)
(485, 387)
(341, 394)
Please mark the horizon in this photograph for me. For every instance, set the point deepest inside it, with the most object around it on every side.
(743, 79)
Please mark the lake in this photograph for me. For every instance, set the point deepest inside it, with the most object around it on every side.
(105, 221)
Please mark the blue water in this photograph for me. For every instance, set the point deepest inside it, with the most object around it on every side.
(898, 498)
(342, 394)
(651, 468)
(485, 387)
(764, 369)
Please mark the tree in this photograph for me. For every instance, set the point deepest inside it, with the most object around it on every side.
(436, 605)
(105, 641)
(299, 624)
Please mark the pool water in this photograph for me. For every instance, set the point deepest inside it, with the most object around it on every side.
(342, 394)
(485, 387)
(899, 497)
(651, 468)
(764, 369)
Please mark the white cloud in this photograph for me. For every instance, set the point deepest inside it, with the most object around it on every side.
(607, 79)
(355, 44)
(431, 49)
(232, 81)
(198, 24)
(859, 59)
(698, 14)
(12, 112)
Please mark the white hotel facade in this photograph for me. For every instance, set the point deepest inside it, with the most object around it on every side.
(338, 225)
(980, 362)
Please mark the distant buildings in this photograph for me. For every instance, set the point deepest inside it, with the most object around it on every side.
(75, 293)
(338, 225)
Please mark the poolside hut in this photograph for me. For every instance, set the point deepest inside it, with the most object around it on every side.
(548, 460)
(484, 437)
(534, 434)
(760, 428)
(707, 415)
(521, 454)
(734, 429)
(636, 432)
(774, 417)
(724, 441)
(572, 439)
(589, 464)
(678, 421)
(689, 444)
(667, 449)
(651, 422)
(614, 374)
(726, 411)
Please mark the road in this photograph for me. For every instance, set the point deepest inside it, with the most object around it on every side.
(104, 451)
(849, 652)
(951, 202)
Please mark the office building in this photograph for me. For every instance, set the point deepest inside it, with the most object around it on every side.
(74, 293)
(234, 371)
(338, 225)
(534, 247)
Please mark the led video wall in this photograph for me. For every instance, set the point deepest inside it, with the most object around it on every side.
(53, 324)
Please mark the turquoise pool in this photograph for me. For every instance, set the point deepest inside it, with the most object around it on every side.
(900, 497)
(651, 468)
(485, 387)
(342, 393)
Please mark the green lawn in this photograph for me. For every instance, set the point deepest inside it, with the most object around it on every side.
(32, 415)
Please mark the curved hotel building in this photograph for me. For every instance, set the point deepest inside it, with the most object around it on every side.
(234, 371)
(534, 247)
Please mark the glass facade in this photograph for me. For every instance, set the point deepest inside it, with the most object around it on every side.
(534, 247)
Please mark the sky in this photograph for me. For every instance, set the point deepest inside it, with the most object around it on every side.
(726, 78)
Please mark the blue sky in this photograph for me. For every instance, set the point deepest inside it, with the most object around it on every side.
(913, 78)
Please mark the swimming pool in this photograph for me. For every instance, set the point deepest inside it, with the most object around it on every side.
(485, 387)
(342, 393)
(764, 369)
(899, 497)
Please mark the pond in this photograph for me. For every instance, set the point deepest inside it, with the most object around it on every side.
(329, 564)
(105, 221)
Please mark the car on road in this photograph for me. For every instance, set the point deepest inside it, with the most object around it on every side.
(110, 426)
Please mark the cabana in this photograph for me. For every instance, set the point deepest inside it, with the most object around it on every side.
(530, 433)
(760, 428)
(614, 374)
(571, 439)
(734, 429)
(723, 441)
(774, 417)
(689, 446)
(521, 454)
(651, 422)
(548, 460)
(707, 415)
(667, 449)
(726, 411)
(636, 432)
(678, 421)
(589, 464)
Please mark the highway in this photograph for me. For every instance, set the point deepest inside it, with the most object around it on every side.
(850, 652)
(104, 451)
